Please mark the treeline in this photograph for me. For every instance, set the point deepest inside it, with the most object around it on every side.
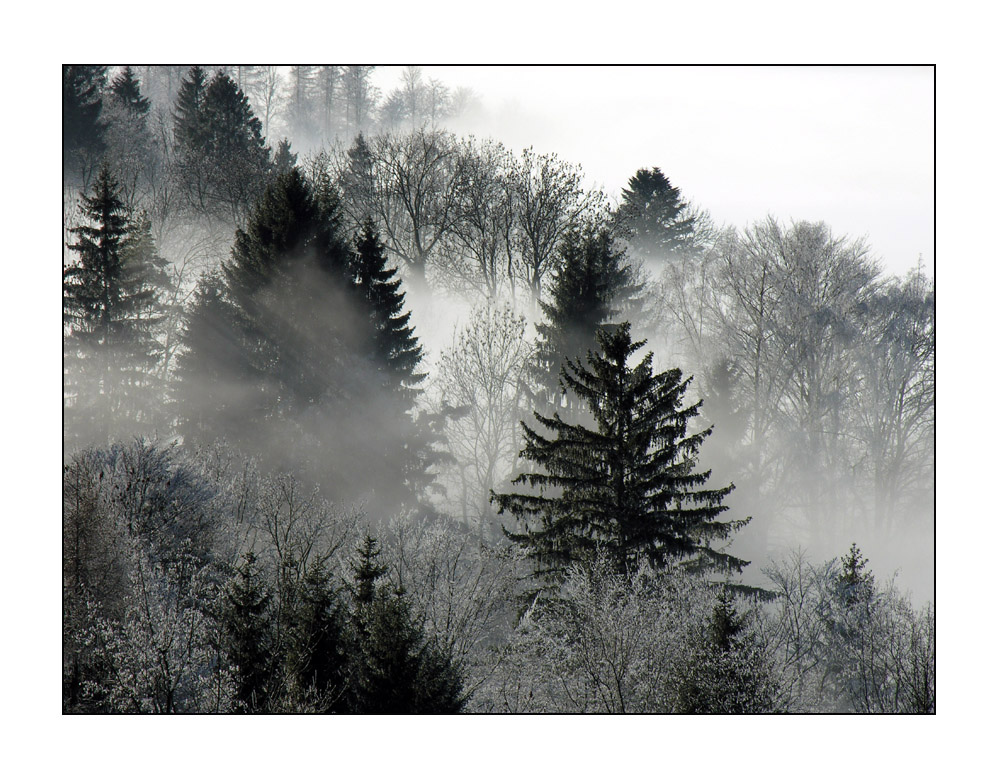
(245, 432)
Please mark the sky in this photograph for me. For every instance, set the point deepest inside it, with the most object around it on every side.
(850, 146)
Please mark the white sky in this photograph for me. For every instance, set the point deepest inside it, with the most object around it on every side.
(852, 146)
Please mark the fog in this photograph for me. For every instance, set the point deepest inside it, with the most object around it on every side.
(852, 146)
(373, 298)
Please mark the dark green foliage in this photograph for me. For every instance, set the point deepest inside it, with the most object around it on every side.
(301, 353)
(284, 158)
(652, 217)
(188, 115)
(315, 642)
(627, 484)
(592, 287)
(854, 585)
(82, 129)
(249, 636)
(395, 668)
(728, 672)
(222, 161)
(111, 309)
(126, 90)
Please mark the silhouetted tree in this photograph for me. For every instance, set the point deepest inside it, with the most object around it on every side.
(593, 286)
(395, 668)
(652, 217)
(627, 483)
(111, 310)
(82, 128)
(249, 636)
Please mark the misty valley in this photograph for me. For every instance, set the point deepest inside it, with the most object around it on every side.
(366, 414)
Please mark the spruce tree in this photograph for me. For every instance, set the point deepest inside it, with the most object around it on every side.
(126, 90)
(82, 128)
(395, 667)
(394, 349)
(188, 115)
(626, 484)
(315, 637)
(301, 354)
(222, 159)
(284, 158)
(111, 310)
(592, 287)
(728, 672)
(248, 635)
(653, 217)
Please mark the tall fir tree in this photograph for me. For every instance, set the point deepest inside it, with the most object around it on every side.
(188, 113)
(594, 285)
(394, 348)
(222, 160)
(284, 158)
(395, 667)
(628, 484)
(111, 310)
(653, 217)
(301, 353)
(315, 636)
(249, 639)
(125, 88)
(82, 127)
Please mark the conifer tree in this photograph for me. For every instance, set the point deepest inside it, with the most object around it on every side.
(727, 673)
(653, 217)
(854, 585)
(394, 348)
(593, 286)
(82, 128)
(301, 353)
(111, 309)
(249, 639)
(221, 159)
(315, 653)
(628, 483)
(284, 158)
(188, 115)
(395, 668)
(126, 90)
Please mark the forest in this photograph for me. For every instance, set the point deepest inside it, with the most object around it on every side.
(363, 415)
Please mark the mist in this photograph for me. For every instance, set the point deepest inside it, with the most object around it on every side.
(369, 302)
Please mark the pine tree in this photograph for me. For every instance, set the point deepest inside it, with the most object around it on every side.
(248, 634)
(188, 115)
(627, 484)
(111, 309)
(302, 355)
(652, 217)
(222, 160)
(82, 128)
(854, 585)
(126, 90)
(593, 286)
(394, 349)
(315, 653)
(395, 668)
(727, 673)
(284, 158)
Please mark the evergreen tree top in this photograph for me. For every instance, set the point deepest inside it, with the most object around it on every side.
(652, 215)
(627, 481)
(126, 90)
